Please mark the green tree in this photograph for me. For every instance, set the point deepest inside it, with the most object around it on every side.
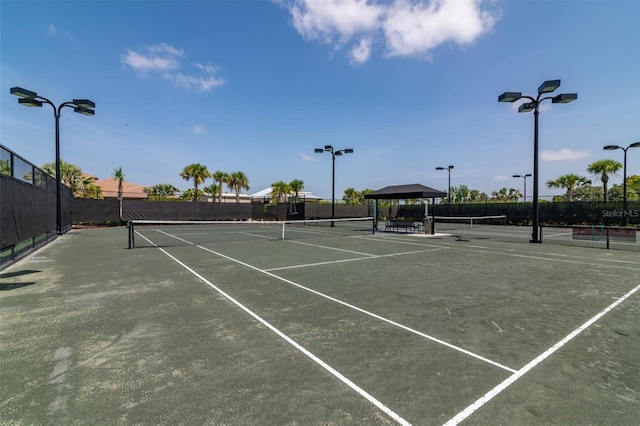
(119, 176)
(70, 175)
(161, 191)
(220, 178)
(351, 196)
(296, 186)
(588, 193)
(570, 182)
(213, 189)
(190, 194)
(238, 181)
(4, 167)
(198, 173)
(279, 191)
(601, 169)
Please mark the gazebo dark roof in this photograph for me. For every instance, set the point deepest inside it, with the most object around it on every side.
(402, 192)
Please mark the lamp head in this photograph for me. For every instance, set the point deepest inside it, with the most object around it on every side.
(348, 151)
(23, 93)
(450, 167)
(528, 107)
(30, 102)
(84, 103)
(548, 86)
(319, 150)
(509, 96)
(612, 147)
(635, 145)
(84, 111)
(439, 168)
(328, 147)
(517, 176)
(564, 98)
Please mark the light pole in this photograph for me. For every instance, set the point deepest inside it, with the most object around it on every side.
(334, 154)
(81, 106)
(449, 170)
(624, 173)
(524, 195)
(563, 98)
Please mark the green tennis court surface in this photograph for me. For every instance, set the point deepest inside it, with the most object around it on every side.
(326, 329)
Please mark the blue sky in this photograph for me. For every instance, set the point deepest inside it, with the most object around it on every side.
(255, 86)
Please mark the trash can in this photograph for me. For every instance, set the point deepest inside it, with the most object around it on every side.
(428, 225)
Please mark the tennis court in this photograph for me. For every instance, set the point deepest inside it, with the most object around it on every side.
(330, 325)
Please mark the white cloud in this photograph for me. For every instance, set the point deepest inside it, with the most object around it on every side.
(153, 59)
(501, 177)
(164, 60)
(408, 28)
(307, 157)
(52, 29)
(360, 53)
(563, 155)
(197, 129)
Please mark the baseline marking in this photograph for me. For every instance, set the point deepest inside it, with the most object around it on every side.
(524, 370)
(292, 342)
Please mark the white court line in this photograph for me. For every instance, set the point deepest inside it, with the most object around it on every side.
(557, 235)
(371, 314)
(524, 370)
(369, 257)
(329, 248)
(292, 342)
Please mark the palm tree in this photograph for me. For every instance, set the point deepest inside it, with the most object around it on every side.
(569, 181)
(296, 186)
(500, 195)
(351, 196)
(198, 173)
(70, 175)
(220, 178)
(212, 189)
(279, 191)
(119, 176)
(238, 181)
(602, 169)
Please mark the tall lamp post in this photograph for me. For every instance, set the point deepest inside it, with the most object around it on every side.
(524, 195)
(624, 172)
(449, 170)
(334, 154)
(563, 98)
(81, 106)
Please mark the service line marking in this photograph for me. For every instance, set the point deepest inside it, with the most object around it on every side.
(524, 370)
(331, 262)
(356, 308)
(289, 340)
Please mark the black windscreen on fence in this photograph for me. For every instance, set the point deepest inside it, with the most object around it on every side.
(26, 211)
(180, 210)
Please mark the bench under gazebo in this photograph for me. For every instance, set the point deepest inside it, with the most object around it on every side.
(406, 192)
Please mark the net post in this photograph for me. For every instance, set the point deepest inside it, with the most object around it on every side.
(130, 227)
(283, 229)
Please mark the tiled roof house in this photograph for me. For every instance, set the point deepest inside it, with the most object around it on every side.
(129, 190)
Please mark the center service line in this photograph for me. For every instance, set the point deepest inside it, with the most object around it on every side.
(371, 314)
(292, 342)
(524, 370)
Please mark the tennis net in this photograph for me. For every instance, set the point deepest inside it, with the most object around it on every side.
(453, 223)
(172, 233)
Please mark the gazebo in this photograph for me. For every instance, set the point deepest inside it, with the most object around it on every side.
(403, 192)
